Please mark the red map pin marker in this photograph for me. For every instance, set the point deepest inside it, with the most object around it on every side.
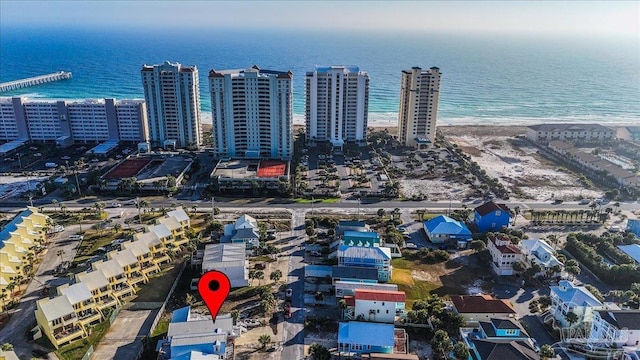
(214, 287)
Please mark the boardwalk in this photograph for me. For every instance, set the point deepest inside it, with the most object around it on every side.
(37, 80)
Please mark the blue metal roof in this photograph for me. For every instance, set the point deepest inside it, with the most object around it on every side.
(374, 334)
(446, 225)
(180, 315)
(362, 234)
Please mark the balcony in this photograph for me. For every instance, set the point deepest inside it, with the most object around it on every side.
(105, 302)
(160, 258)
(87, 317)
(68, 333)
(137, 278)
(122, 291)
(149, 268)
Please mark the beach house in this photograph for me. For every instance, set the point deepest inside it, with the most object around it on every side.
(375, 305)
(617, 328)
(243, 231)
(355, 337)
(442, 228)
(474, 308)
(368, 257)
(491, 216)
(540, 252)
(504, 254)
(229, 259)
(567, 297)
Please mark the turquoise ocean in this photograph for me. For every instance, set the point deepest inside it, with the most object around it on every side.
(487, 79)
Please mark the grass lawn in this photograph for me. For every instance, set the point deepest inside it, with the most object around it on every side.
(77, 349)
(92, 241)
(461, 275)
(158, 287)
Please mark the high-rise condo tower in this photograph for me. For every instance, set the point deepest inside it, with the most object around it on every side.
(419, 94)
(337, 102)
(252, 113)
(172, 95)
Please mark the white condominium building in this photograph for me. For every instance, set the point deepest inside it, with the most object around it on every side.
(337, 103)
(252, 113)
(419, 95)
(173, 104)
(84, 120)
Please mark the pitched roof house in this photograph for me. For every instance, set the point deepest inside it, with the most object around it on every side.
(443, 228)
(491, 216)
(481, 307)
(567, 297)
(503, 253)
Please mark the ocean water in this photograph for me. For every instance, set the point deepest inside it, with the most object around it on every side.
(486, 79)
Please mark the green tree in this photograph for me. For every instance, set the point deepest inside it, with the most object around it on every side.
(381, 212)
(6, 347)
(546, 352)
(519, 266)
(477, 245)
(235, 315)
(441, 343)
(264, 340)
(319, 352)
(461, 351)
(275, 275)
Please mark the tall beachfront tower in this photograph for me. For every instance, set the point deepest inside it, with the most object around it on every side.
(419, 94)
(252, 113)
(173, 104)
(337, 106)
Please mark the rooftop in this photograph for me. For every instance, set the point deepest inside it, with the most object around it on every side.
(490, 207)
(379, 295)
(219, 253)
(109, 268)
(56, 308)
(247, 169)
(94, 280)
(445, 225)
(481, 304)
(632, 250)
(361, 252)
(571, 294)
(179, 214)
(354, 272)
(374, 334)
(500, 350)
(76, 293)
(621, 319)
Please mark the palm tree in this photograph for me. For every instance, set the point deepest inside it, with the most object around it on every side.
(342, 304)
(60, 253)
(117, 227)
(276, 275)
(571, 318)
(54, 202)
(264, 340)
(63, 208)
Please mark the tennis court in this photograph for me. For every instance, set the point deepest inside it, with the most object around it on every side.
(128, 168)
(272, 168)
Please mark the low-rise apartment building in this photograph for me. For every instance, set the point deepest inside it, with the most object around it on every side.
(573, 132)
(83, 303)
(18, 241)
(58, 320)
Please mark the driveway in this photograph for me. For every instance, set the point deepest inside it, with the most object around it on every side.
(520, 299)
(124, 338)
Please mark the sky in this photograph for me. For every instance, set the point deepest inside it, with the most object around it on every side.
(515, 17)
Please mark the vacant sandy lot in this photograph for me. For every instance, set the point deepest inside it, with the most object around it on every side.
(517, 164)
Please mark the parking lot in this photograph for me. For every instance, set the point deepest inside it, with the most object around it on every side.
(339, 174)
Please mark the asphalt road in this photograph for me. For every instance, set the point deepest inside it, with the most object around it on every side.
(293, 341)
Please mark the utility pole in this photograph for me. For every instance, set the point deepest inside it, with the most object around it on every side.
(312, 201)
(213, 208)
(138, 204)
